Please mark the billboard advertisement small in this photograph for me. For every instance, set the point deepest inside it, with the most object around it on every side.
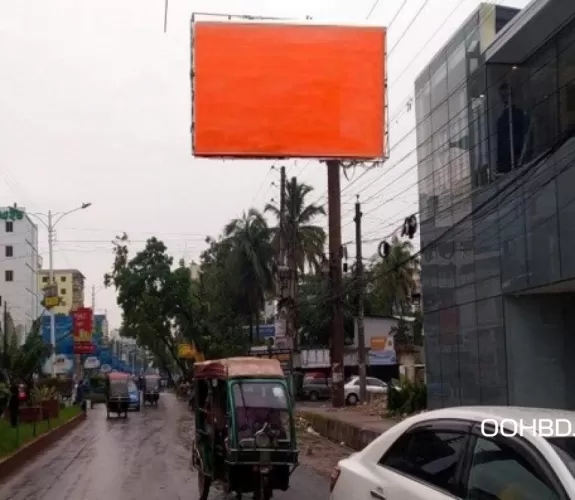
(264, 89)
(82, 330)
(382, 351)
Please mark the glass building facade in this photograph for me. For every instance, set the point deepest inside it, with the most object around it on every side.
(497, 201)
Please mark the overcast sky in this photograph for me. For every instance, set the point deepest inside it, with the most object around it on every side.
(95, 106)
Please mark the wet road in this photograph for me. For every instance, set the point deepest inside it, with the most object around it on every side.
(146, 457)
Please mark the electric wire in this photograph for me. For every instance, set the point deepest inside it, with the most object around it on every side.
(403, 109)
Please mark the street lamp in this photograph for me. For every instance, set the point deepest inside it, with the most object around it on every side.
(50, 225)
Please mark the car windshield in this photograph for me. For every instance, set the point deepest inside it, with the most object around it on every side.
(565, 448)
(258, 403)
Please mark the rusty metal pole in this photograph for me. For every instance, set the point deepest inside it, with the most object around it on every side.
(336, 281)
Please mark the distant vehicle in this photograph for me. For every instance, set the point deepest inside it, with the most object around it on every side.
(134, 396)
(449, 453)
(351, 388)
(316, 388)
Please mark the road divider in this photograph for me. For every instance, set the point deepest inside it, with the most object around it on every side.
(348, 428)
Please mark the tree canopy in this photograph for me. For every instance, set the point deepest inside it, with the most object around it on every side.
(220, 311)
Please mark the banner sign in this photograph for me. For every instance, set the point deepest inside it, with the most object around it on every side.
(82, 330)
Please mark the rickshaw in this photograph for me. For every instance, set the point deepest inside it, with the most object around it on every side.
(151, 389)
(117, 394)
(245, 434)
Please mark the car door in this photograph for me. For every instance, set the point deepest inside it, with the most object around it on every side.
(425, 463)
(503, 467)
(375, 386)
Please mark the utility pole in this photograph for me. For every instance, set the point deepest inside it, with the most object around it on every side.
(52, 283)
(282, 216)
(293, 265)
(360, 304)
(282, 323)
(336, 281)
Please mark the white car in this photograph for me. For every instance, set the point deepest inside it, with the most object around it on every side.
(446, 454)
(373, 385)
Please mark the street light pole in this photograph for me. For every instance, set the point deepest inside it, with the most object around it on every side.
(51, 278)
(50, 226)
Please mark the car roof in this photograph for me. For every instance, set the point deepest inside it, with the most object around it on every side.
(499, 413)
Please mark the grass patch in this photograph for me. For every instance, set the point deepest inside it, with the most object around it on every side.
(11, 439)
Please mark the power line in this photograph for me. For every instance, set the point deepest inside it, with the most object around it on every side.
(492, 198)
(448, 165)
(401, 110)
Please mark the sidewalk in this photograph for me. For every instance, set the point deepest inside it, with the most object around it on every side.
(347, 426)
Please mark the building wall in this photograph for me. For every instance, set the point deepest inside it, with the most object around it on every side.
(70, 288)
(19, 257)
(495, 244)
(194, 271)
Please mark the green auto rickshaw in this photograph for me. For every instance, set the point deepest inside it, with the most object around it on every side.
(245, 434)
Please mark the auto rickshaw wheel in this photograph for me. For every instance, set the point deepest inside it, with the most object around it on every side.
(204, 483)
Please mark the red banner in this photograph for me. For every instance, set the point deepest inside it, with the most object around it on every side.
(82, 330)
(82, 324)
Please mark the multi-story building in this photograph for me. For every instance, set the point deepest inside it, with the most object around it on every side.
(495, 115)
(70, 288)
(19, 266)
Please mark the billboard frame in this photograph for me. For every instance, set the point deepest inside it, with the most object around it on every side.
(308, 21)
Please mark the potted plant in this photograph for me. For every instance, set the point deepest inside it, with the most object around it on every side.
(47, 399)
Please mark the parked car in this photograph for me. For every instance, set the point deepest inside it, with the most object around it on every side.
(373, 386)
(316, 388)
(135, 402)
(449, 453)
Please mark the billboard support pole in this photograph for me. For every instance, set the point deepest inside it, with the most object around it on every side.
(335, 281)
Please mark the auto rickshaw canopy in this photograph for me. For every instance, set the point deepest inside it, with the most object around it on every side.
(239, 367)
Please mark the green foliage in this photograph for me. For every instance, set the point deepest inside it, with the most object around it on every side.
(417, 328)
(62, 386)
(39, 394)
(250, 263)
(402, 333)
(406, 397)
(299, 228)
(394, 278)
(155, 298)
(22, 362)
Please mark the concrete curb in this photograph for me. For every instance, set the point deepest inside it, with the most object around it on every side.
(338, 431)
(31, 450)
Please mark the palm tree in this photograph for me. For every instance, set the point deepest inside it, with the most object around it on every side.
(395, 277)
(309, 239)
(251, 259)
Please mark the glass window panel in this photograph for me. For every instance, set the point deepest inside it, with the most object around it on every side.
(566, 72)
(541, 103)
(422, 100)
(439, 85)
(456, 69)
(425, 173)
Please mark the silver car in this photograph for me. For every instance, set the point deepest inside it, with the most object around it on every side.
(373, 386)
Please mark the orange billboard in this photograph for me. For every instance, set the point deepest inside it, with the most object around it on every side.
(271, 90)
